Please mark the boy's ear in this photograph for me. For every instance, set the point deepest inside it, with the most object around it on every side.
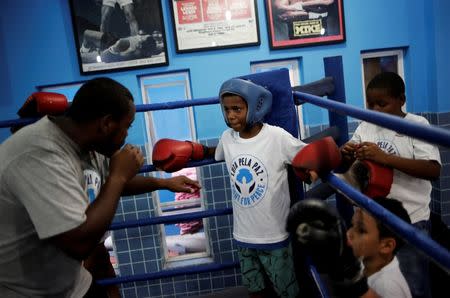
(403, 98)
(387, 245)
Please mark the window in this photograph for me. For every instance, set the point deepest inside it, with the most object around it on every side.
(294, 77)
(373, 63)
(187, 242)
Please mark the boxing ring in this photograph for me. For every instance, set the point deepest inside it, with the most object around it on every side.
(338, 111)
(435, 135)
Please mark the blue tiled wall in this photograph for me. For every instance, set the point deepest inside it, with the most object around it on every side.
(440, 197)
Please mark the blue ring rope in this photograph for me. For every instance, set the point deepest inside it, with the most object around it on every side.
(321, 288)
(435, 135)
(139, 108)
(196, 163)
(168, 273)
(439, 254)
(176, 104)
(167, 219)
(20, 121)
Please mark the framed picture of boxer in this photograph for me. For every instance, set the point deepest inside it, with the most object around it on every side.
(118, 34)
(299, 23)
(202, 25)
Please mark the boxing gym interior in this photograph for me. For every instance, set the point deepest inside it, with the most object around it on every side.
(165, 244)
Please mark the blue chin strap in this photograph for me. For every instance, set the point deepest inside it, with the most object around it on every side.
(258, 98)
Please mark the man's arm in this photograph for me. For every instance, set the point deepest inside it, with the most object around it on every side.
(80, 241)
(141, 184)
(99, 265)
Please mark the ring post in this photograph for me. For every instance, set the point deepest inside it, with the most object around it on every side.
(333, 68)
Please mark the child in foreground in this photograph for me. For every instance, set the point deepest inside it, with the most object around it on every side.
(360, 262)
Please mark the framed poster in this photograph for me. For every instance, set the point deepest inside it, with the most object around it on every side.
(299, 23)
(118, 35)
(201, 25)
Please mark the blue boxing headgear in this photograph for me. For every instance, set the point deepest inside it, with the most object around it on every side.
(258, 98)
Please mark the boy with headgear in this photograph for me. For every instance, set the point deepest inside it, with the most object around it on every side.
(257, 155)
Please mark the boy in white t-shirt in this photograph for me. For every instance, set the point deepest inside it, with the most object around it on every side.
(377, 245)
(414, 161)
(257, 156)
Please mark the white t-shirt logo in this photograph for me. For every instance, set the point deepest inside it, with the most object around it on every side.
(387, 146)
(93, 184)
(249, 180)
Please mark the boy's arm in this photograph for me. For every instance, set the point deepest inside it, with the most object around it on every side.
(210, 152)
(420, 168)
(348, 154)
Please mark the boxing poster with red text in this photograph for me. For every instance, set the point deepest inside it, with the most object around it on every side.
(214, 24)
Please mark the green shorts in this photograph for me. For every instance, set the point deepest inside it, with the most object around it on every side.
(258, 265)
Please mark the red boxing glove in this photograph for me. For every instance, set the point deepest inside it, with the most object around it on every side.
(320, 156)
(43, 103)
(172, 155)
(374, 179)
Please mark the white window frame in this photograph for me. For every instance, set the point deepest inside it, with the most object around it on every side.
(294, 77)
(379, 54)
(191, 258)
(148, 115)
